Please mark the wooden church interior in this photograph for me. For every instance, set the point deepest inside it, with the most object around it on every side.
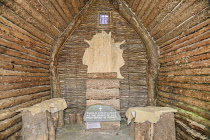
(166, 55)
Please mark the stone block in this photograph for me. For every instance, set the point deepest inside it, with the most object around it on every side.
(102, 83)
(102, 94)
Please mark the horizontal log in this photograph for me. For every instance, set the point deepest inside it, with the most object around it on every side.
(9, 122)
(8, 14)
(196, 64)
(115, 103)
(178, 48)
(15, 135)
(23, 105)
(15, 60)
(192, 125)
(24, 91)
(189, 27)
(8, 102)
(15, 79)
(187, 72)
(11, 130)
(34, 50)
(22, 34)
(189, 93)
(188, 39)
(190, 115)
(187, 61)
(184, 79)
(19, 51)
(198, 48)
(201, 87)
(182, 100)
(182, 132)
(10, 66)
(17, 73)
(7, 115)
(22, 85)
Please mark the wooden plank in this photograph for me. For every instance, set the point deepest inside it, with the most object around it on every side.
(195, 49)
(166, 9)
(191, 64)
(186, 79)
(9, 102)
(8, 14)
(186, 28)
(17, 73)
(45, 53)
(60, 11)
(191, 101)
(11, 52)
(156, 10)
(15, 60)
(11, 130)
(24, 91)
(191, 59)
(22, 85)
(10, 43)
(193, 9)
(9, 122)
(201, 87)
(22, 12)
(45, 12)
(187, 92)
(189, 40)
(15, 79)
(75, 6)
(36, 14)
(49, 6)
(65, 9)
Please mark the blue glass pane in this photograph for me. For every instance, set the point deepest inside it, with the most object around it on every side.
(104, 19)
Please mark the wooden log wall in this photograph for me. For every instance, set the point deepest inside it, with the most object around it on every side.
(73, 74)
(181, 30)
(28, 30)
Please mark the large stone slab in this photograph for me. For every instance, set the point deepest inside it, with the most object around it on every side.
(102, 83)
(101, 113)
(115, 103)
(107, 75)
(102, 94)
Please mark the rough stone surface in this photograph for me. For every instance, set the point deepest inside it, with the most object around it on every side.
(77, 132)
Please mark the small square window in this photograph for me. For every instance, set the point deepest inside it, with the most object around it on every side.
(104, 19)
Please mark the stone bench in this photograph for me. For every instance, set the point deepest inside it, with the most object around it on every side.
(41, 120)
(156, 123)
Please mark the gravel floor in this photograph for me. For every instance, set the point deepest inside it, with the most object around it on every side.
(77, 132)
